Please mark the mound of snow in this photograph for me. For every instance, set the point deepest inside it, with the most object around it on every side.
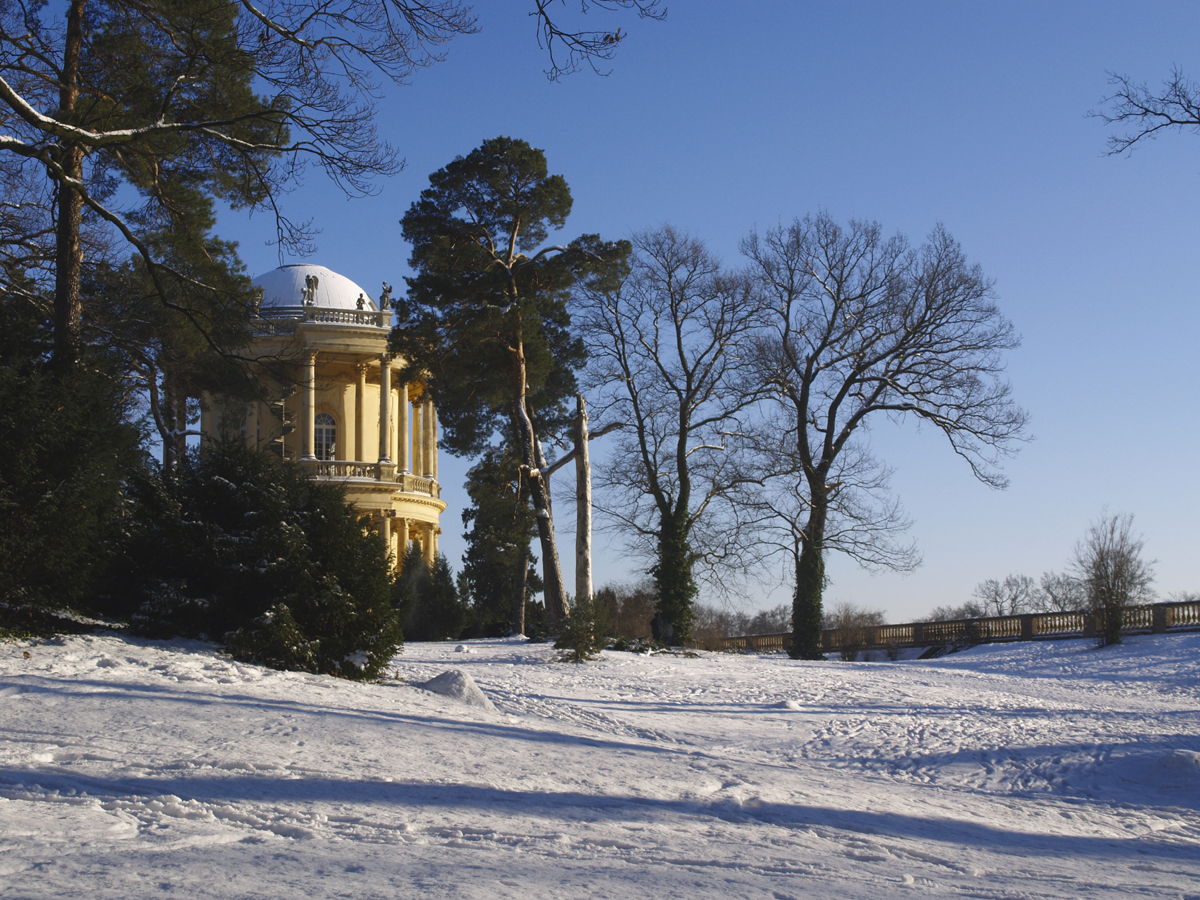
(460, 686)
(1186, 760)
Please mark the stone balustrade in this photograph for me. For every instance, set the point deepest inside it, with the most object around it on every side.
(283, 320)
(1156, 618)
(352, 470)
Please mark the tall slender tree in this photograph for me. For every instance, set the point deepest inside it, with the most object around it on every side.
(486, 312)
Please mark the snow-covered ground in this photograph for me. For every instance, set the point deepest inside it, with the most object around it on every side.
(141, 769)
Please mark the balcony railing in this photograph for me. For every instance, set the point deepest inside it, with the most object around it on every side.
(283, 320)
(358, 471)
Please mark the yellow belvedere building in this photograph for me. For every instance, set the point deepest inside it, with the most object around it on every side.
(332, 405)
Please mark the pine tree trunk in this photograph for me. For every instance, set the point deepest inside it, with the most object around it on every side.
(522, 583)
(553, 589)
(68, 262)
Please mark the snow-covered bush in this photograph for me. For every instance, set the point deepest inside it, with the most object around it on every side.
(250, 553)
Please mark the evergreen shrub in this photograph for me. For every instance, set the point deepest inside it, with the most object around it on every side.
(428, 599)
(238, 548)
(585, 632)
(65, 449)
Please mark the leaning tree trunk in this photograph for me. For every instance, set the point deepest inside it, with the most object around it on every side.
(533, 469)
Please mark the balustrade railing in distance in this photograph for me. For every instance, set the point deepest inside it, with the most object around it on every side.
(1156, 618)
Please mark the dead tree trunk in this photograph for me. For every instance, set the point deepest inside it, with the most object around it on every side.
(583, 503)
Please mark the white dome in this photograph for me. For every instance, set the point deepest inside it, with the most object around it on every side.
(287, 286)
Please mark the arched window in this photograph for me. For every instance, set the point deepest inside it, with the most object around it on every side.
(325, 437)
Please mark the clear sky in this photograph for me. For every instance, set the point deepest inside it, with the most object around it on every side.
(731, 116)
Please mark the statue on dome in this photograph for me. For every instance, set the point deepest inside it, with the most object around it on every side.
(310, 290)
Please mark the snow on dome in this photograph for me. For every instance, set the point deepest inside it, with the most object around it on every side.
(289, 287)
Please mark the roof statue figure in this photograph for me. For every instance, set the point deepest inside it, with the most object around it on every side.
(310, 290)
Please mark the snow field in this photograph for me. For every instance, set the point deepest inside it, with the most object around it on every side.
(141, 769)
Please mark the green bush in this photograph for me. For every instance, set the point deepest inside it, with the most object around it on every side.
(428, 599)
(585, 633)
(64, 451)
(235, 547)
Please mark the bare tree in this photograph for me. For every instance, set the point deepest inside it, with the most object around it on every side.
(972, 609)
(665, 349)
(1108, 563)
(1015, 595)
(860, 327)
(1058, 593)
(1175, 106)
(851, 622)
(570, 48)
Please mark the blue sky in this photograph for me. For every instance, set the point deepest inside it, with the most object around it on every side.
(726, 117)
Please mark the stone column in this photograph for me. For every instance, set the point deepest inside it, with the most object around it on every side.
(427, 544)
(427, 438)
(402, 430)
(310, 406)
(360, 417)
(385, 528)
(402, 528)
(385, 408)
(418, 445)
(433, 438)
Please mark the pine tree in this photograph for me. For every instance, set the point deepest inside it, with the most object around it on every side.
(428, 599)
(67, 447)
(498, 575)
(486, 312)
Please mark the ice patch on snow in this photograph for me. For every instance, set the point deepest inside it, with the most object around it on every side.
(460, 686)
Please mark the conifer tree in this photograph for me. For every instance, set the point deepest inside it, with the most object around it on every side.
(498, 575)
(486, 311)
